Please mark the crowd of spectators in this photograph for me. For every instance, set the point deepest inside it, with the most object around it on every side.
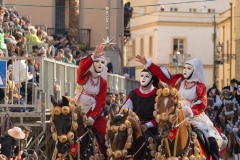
(18, 38)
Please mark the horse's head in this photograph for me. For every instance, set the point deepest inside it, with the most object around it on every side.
(121, 130)
(63, 121)
(167, 109)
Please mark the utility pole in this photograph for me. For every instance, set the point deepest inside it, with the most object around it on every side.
(214, 48)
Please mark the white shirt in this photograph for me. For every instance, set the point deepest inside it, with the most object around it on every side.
(20, 71)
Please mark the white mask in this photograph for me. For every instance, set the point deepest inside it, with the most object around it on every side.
(145, 78)
(239, 88)
(99, 64)
(187, 71)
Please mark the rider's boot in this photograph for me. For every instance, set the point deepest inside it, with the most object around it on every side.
(214, 148)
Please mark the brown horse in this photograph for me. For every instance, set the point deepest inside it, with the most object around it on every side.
(125, 139)
(69, 131)
(178, 141)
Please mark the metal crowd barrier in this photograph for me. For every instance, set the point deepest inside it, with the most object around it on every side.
(59, 79)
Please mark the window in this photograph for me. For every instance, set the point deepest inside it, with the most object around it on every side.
(211, 10)
(178, 45)
(150, 51)
(173, 9)
(141, 10)
(142, 47)
(192, 10)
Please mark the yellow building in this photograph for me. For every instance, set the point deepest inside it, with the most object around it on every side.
(236, 36)
(159, 28)
(228, 45)
(223, 50)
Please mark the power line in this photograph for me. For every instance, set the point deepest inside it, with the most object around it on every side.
(90, 8)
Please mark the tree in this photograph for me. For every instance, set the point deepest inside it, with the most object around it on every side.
(73, 22)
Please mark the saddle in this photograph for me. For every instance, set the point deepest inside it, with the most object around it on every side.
(203, 140)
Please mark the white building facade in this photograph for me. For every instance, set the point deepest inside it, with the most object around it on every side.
(161, 28)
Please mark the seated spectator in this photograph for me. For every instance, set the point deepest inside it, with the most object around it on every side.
(10, 147)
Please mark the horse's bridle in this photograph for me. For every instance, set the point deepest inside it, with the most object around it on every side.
(171, 117)
(64, 110)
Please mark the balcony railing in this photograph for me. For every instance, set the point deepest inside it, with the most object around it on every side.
(178, 59)
(84, 36)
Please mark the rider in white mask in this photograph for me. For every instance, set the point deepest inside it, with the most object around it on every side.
(191, 85)
(145, 78)
(142, 100)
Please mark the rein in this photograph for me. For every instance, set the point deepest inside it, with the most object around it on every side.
(132, 156)
(80, 138)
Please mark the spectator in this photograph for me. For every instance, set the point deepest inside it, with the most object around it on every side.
(35, 49)
(2, 44)
(32, 37)
(60, 55)
(18, 37)
(10, 147)
(121, 98)
(109, 100)
(110, 67)
(26, 151)
(117, 99)
(31, 70)
(69, 59)
(6, 17)
(1, 54)
(79, 56)
(20, 47)
(11, 49)
(21, 76)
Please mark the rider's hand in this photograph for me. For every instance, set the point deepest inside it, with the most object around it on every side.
(144, 127)
(98, 51)
(141, 59)
(90, 122)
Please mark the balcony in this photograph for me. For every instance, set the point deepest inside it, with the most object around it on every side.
(179, 59)
(84, 36)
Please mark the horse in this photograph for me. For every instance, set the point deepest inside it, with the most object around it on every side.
(69, 131)
(229, 120)
(125, 140)
(180, 140)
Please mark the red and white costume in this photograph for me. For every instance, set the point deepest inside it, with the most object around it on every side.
(194, 98)
(91, 93)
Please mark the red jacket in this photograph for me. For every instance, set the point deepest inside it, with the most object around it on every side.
(172, 80)
(83, 74)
